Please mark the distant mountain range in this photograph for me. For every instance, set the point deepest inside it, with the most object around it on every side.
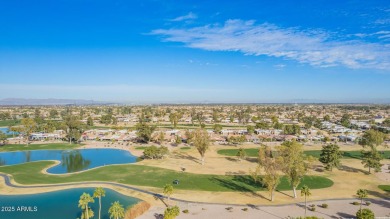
(50, 101)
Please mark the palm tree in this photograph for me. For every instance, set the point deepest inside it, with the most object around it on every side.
(86, 198)
(99, 193)
(116, 210)
(305, 191)
(168, 190)
(361, 193)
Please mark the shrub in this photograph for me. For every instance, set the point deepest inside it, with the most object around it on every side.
(368, 203)
(355, 203)
(312, 208)
(171, 212)
(365, 214)
(137, 210)
(229, 208)
(186, 211)
(245, 209)
(154, 152)
(324, 205)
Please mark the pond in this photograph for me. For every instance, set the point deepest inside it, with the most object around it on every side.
(71, 160)
(6, 131)
(61, 204)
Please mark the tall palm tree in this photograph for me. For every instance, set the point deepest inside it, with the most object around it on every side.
(305, 191)
(99, 193)
(85, 199)
(361, 193)
(116, 210)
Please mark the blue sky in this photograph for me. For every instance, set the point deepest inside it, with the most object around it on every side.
(195, 51)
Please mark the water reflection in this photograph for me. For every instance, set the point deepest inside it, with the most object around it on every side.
(2, 162)
(27, 156)
(73, 161)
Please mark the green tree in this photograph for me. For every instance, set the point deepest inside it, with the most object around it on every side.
(262, 125)
(99, 193)
(114, 121)
(346, 120)
(330, 156)
(326, 118)
(90, 213)
(294, 164)
(161, 137)
(168, 191)
(53, 113)
(3, 137)
(386, 122)
(365, 214)
(116, 210)
(85, 199)
(178, 140)
(174, 119)
(241, 154)
(28, 127)
(172, 212)
(153, 152)
(217, 128)
(361, 194)
(201, 141)
(271, 167)
(73, 128)
(372, 138)
(144, 131)
(106, 119)
(305, 191)
(250, 129)
(371, 159)
(90, 121)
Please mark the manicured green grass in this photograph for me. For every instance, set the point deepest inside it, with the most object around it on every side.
(24, 147)
(185, 148)
(9, 122)
(29, 173)
(253, 152)
(140, 147)
(385, 188)
(348, 154)
(250, 152)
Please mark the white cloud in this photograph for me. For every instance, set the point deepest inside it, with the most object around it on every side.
(382, 21)
(316, 48)
(189, 16)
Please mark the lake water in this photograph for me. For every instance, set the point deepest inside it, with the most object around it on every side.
(7, 131)
(71, 160)
(59, 204)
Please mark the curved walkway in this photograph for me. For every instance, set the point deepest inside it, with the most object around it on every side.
(8, 182)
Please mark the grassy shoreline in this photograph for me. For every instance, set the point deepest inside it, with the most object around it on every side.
(30, 147)
(30, 173)
(253, 152)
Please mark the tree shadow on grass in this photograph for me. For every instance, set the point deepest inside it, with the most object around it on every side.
(231, 159)
(352, 169)
(186, 157)
(291, 196)
(252, 159)
(345, 215)
(378, 195)
(240, 184)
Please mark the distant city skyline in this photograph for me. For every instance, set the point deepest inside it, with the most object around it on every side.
(181, 52)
